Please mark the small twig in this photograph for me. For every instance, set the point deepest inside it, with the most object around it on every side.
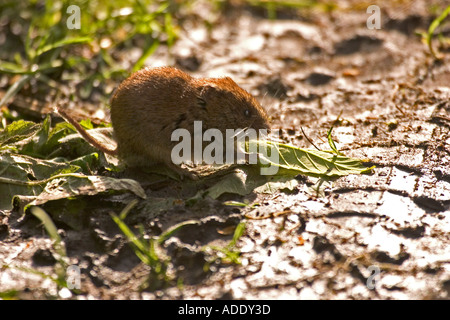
(309, 140)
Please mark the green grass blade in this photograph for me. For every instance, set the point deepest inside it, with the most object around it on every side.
(330, 139)
(147, 53)
(50, 228)
(62, 43)
(170, 29)
(433, 26)
(140, 245)
(12, 68)
(14, 89)
(238, 232)
(164, 236)
(47, 222)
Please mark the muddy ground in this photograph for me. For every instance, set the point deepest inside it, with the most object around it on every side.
(379, 236)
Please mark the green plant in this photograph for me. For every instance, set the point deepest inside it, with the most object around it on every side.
(148, 249)
(44, 53)
(432, 28)
(60, 255)
(230, 253)
(273, 5)
(43, 44)
(34, 160)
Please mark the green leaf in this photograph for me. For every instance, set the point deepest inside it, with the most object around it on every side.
(87, 124)
(40, 138)
(27, 181)
(62, 43)
(71, 212)
(17, 131)
(242, 181)
(52, 145)
(278, 183)
(18, 176)
(74, 185)
(42, 141)
(293, 160)
(12, 68)
(87, 163)
(246, 180)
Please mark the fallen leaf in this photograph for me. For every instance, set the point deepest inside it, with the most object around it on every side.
(351, 72)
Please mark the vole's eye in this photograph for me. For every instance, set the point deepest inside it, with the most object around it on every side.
(247, 113)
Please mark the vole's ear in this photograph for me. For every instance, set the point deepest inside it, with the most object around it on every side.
(206, 93)
(208, 89)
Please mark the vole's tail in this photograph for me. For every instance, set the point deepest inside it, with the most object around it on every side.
(97, 144)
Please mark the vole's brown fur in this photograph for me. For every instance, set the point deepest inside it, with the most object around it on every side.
(149, 105)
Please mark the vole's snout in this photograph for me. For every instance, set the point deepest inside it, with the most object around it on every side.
(260, 121)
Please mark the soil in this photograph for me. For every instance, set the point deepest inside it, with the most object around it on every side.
(379, 236)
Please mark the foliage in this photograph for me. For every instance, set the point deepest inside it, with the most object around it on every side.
(59, 253)
(41, 52)
(272, 6)
(149, 250)
(35, 168)
(229, 252)
(432, 28)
